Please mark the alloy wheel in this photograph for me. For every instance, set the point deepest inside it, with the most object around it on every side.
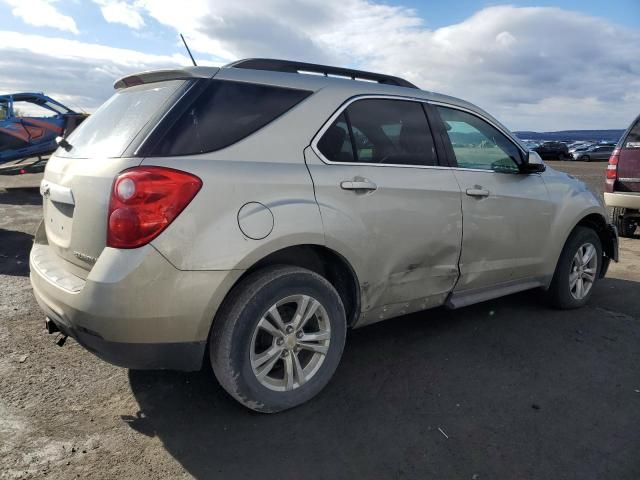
(584, 267)
(290, 343)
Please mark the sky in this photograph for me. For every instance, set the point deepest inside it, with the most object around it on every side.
(538, 65)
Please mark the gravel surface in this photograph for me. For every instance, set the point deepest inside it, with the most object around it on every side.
(505, 389)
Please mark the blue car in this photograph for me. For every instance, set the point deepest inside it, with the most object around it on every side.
(30, 123)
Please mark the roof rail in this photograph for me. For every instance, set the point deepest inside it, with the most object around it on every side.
(302, 67)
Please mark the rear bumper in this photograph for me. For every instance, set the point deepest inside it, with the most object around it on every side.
(624, 200)
(186, 356)
(134, 309)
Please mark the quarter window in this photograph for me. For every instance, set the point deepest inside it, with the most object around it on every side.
(477, 144)
(224, 113)
(392, 132)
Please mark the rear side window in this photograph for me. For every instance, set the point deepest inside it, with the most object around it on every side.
(224, 113)
(633, 138)
(110, 130)
(391, 132)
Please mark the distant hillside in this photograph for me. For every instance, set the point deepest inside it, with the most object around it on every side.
(573, 135)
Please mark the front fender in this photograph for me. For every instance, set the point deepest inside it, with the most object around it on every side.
(575, 204)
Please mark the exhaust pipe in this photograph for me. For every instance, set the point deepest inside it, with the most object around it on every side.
(50, 326)
(53, 328)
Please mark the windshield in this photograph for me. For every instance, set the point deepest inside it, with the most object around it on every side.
(112, 128)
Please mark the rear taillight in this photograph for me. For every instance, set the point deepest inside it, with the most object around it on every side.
(144, 201)
(612, 168)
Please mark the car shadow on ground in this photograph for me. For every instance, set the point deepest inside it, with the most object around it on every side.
(14, 252)
(20, 196)
(505, 389)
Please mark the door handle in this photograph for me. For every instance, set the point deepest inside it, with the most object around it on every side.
(358, 185)
(477, 192)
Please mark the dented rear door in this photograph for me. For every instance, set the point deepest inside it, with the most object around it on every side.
(399, 225)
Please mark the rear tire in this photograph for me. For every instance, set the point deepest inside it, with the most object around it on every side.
(626, 227)
(267, 356)
(574, 279)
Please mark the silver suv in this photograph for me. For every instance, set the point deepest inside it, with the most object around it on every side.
(249, 215)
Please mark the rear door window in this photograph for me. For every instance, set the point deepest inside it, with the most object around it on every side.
(224, 113)
(381, 131)
(110, 130)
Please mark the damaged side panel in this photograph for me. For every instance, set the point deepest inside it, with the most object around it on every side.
(403, 238)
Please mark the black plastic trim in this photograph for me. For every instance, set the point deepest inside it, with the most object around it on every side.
(446, 158)
(183, 356)
(288, 66)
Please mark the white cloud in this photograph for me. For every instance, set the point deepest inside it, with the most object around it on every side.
(42, 13)
(118, 11)
(79, 73)
(533, 68)
(512, 61)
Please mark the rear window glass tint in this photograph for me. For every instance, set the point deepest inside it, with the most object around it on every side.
(391, 132)
(224, 113)
(633, 138)
(110, 130)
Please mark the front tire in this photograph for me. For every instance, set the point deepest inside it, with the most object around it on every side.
(278, 338)
(577, 271)
(586, 158)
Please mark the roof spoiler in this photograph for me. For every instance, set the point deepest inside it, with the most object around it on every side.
(154, 76)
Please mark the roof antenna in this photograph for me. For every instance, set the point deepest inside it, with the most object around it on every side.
(188, 51)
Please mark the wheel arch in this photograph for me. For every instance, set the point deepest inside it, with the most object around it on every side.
(323, 261)
(598, 223)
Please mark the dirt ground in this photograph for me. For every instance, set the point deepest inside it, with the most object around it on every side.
(508, 389)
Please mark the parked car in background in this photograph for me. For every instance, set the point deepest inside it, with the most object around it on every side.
(581, 147)
(594, 152)
(552, 151)
(248, 215)
(622, 185)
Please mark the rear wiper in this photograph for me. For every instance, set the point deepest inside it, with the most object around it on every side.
(62, 142)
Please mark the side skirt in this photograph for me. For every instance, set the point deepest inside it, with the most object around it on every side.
(469, 297)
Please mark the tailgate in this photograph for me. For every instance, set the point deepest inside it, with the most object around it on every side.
(629, 160)
(75, 203)
(628, 170)
(79, 176)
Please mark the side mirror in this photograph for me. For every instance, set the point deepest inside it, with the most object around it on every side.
(533, 163)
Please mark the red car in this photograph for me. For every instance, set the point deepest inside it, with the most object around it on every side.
(622, 185)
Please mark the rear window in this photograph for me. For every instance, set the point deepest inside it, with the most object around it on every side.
(223, 114)
(110, 130)
(633, 138)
